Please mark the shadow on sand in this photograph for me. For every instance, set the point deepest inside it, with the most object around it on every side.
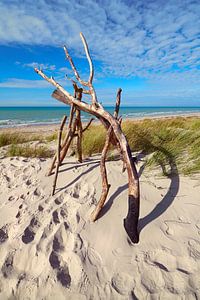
(166, 201)
(160, 208)
(169, 197)
(94, 165)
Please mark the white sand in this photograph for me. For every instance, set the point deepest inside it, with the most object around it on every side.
(50, 250)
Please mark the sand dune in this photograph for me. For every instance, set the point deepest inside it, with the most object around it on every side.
(49, 249)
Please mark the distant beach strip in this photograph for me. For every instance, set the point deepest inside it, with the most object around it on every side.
(23, 116)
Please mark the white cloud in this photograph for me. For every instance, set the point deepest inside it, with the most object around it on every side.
(29, 84)
(23, 83)
(40, 66)
(130, 38)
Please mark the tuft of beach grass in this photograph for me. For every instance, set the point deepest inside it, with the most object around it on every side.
(168, 140)
(29, 151)
(165, 141)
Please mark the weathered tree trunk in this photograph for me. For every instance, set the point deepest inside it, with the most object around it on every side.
(117, 137)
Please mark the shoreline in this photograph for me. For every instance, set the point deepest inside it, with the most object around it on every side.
(51, 127)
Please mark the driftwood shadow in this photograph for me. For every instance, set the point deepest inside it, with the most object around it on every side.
(109, 203)
(168, 198)
(75, 165)
(94, 165)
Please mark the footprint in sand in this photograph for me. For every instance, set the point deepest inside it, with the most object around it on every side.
(172, 228)
(18, 172)
(82, 191)
(37, 192)
(69, 213)
(61, 239)
(64, 212)
(7, 268)
(5, 181)
(123, 283)
(103, 292)
(175, 282)
(3, 234)
(94, 257)
(36, 222)
(163, 259)
(78, 243)
(186, 265)
(30, 231)
(40, 208)
(152, 279)
(26, 289)
(59, 235)
(57, 263)
(12, 198)
(21, 211)
(44, 240)
(28, 182)
(59, 200)
(63, 276)
(55, 217)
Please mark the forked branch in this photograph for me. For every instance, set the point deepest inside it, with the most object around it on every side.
(90, 79)
(84, 83)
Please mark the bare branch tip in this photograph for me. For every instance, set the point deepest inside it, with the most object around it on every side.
(83, 37)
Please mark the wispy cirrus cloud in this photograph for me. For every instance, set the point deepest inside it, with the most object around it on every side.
(40, 66)
(29, 84)
(23, 83)
(129, 38)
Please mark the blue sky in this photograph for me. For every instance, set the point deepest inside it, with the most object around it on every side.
(148, 48)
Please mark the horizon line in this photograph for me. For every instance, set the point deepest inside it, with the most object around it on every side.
(124, 106)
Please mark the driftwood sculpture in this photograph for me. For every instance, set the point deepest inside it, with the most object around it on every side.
(114, 135)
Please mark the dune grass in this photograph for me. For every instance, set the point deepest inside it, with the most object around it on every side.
(29, 151)
(8, 138)
(51, 137)
(93, 140)
(171, 143)
(174, 143)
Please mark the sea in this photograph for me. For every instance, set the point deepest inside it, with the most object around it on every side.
(20, 116)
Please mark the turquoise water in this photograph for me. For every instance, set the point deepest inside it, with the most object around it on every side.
(18, 116)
